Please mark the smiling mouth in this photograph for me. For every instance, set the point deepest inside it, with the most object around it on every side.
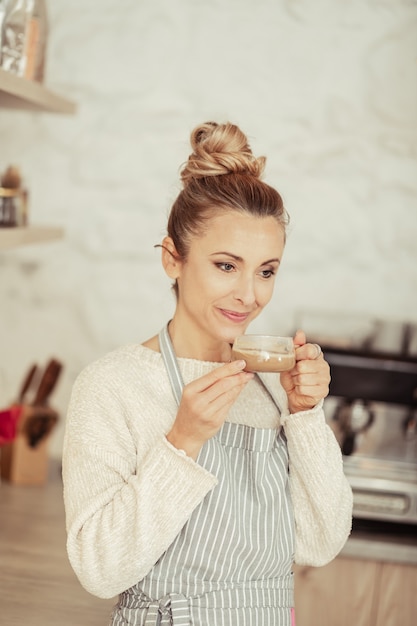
(234, 316)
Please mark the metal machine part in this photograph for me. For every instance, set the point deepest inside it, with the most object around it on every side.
(372, 409)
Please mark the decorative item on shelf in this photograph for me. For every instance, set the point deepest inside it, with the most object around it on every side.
(24, 32)
(25, 428)
(13, 199)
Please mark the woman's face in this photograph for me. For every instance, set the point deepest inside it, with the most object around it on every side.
(225, 282)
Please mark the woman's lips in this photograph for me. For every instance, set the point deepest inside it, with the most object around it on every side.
(234, 316)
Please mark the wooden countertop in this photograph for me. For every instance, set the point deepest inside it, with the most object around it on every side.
(37, 584)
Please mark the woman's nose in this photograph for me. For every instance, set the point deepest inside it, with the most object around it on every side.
(245, 291)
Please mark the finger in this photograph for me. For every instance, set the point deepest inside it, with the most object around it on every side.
(223, 402)
(228, 384)
(209, 416)
(219, 373)
(311, 393)
(311, 366)
(218, 388)
(308, 351)
(310, 381)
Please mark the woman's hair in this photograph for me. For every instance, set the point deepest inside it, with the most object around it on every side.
(221, 174)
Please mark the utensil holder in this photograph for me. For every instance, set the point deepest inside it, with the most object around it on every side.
(25, 461)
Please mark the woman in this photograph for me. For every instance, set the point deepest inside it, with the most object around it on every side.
(190, 485)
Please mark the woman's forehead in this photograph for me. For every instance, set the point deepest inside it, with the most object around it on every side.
(241, 234)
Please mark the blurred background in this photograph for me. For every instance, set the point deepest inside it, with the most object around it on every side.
(326, 90)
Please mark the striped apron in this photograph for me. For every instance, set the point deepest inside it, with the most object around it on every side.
(231, 563)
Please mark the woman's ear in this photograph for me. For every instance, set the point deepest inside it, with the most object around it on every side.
(170, 258)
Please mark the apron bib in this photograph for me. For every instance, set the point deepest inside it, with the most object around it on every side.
(231, 563)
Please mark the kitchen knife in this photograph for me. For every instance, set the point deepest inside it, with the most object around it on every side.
(48, 382)
(27, 382)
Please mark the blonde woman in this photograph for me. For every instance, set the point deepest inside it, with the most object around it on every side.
(191, 486)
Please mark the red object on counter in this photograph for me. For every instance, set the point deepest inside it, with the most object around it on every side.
(8, 423)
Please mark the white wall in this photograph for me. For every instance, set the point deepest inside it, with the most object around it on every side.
(326, 89)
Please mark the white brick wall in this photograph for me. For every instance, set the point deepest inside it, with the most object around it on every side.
(326, 89)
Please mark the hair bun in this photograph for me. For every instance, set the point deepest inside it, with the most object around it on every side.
(220, 149)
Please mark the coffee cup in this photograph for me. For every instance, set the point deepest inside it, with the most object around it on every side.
(264, 353)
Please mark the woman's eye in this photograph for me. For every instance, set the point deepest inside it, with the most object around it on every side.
(267, 273)
(226, 267)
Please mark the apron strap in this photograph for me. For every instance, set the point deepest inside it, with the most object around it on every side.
(171, 364)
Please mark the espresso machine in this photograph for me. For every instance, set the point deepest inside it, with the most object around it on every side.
(372, 409)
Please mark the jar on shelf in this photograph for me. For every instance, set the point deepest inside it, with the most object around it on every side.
(13, 207)
(13, 199)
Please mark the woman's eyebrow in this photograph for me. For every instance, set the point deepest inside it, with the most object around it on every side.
(239, 258)
(233, 256)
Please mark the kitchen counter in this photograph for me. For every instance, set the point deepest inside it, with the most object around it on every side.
(37, 584)
(382, 541)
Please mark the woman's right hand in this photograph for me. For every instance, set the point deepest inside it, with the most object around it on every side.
(204, 406)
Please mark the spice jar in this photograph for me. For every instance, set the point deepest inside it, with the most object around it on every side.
(13, 199)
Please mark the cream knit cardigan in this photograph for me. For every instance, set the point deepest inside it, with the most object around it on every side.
(128, 492)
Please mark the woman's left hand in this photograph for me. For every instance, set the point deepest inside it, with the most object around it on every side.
(308, 382)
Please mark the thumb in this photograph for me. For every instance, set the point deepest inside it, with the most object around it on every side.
(299, 338)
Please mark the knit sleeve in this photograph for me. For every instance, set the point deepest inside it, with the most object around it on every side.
(321, 494)
(126, 499)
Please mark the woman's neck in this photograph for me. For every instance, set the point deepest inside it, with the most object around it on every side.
(194, 345)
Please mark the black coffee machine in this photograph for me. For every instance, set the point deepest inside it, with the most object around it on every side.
(372, 409)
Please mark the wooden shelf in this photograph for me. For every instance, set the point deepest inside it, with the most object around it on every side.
(20, 93)
(14, 237)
